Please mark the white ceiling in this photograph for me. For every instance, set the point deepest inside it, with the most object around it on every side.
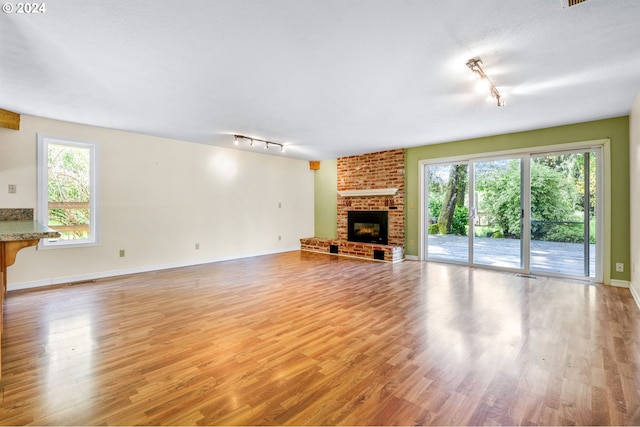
(327, 78)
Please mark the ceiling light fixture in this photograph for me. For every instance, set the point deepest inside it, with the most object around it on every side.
(237, 138)
(474, 65)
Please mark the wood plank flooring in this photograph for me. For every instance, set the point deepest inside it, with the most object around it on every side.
(312, 339)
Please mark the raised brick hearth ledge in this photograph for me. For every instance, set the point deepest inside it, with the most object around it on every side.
(371, 251)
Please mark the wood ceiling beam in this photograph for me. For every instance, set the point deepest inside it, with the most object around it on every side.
(9, 119)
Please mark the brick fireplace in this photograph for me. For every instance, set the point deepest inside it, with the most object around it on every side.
(368, 182)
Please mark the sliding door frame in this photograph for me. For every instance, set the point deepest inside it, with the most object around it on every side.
(424, 244)
(603, 207)
(599, 209)
(524, 200)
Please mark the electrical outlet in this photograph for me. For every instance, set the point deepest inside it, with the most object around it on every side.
(121, 253)
(13, 189)
(619, 267)
(279, 237)
(197, 246)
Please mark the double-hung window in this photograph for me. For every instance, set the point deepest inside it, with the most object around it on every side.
(68, 190)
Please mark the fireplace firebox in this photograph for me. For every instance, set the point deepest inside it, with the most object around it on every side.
(368, 226)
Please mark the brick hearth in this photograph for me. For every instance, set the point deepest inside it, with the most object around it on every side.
(354, 249)
(374, 171)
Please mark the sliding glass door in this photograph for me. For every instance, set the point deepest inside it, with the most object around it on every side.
(448, 212)
(497, 213)
(531, 213)
(563, 213)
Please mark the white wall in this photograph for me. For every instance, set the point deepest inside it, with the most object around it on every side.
(159, 197)
(634, 190)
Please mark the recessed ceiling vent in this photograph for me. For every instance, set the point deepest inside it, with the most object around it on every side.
(569, 3)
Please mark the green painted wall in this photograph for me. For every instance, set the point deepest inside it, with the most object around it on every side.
(616, 129)
(326, 199)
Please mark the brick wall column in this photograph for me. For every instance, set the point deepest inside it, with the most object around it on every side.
(384, 169)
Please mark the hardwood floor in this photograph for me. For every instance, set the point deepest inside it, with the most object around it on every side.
(313, 339)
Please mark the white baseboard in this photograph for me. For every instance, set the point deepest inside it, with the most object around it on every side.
(620, 283)
(412, 257)
(635, 295)
(134, 270)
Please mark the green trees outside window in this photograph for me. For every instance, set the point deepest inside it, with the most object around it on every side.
(69, 189)
(557, 198)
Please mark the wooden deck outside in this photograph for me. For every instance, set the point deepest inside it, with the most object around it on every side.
(302, 338)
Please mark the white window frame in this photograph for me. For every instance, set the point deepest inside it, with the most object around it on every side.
(42, 168)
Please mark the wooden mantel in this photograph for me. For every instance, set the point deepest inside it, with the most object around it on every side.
(369, 192)
(9, 120)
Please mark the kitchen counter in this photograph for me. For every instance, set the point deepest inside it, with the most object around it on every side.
(25, 230)
(17, 231)
(16, 235)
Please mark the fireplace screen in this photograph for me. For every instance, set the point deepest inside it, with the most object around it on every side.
(366, 230)
(368, 226)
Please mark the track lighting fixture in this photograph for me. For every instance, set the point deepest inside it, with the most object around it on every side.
(474, 65)
(237, 138)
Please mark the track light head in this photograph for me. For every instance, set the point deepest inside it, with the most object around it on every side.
(237, 138)
(475, 65)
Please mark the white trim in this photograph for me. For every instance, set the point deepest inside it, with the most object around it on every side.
(636, 297)
(525, 201)
(620, 283)
(604, 209)
(42, 213)
(492, 155)
(371, 192)
(135, 270)
(411, 258)
(423, 196)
